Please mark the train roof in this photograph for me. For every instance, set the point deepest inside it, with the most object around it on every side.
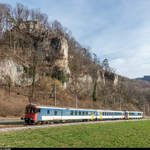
(40, 106)
(99, 110)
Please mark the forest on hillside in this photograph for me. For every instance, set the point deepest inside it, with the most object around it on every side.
(32, 41)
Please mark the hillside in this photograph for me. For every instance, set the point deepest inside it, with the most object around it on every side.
(42, 63)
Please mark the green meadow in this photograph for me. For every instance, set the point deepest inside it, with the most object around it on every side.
(107, 135)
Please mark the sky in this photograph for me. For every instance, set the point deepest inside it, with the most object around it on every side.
(118, 30)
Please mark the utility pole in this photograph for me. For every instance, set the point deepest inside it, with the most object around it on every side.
(55, 93)
(144, 108)
(148, 108)
(76, 101)
(120, 103)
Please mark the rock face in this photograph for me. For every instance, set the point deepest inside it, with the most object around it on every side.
(60, 47)
(111, 77)
(10, 70)
(101, 77)
(30, 26)
(115, 80)
(86, 82)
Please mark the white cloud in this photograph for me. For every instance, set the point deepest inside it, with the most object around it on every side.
(136, 65)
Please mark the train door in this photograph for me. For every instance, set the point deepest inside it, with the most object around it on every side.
(59, 114)
(122, 115)
(112, 113)
(92, 115)
(142, 115)
(100, 115)
(126, 115)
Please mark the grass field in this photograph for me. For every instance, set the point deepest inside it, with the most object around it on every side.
(116, 134)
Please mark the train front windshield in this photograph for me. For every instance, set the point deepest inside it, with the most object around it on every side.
(31, 110)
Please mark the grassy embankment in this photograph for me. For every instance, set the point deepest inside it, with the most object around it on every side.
(119, 134)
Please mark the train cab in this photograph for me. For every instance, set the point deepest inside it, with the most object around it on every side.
(31, 114)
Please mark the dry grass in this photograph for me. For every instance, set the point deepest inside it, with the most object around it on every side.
(13, 104)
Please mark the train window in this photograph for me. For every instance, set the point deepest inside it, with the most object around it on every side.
(71, 112)
(75, 112)
(48, 111)
(38, 110)
(103, 113)
(31, 111)
(79, 112)
(55, 113)
(86, 113)
(27, 110)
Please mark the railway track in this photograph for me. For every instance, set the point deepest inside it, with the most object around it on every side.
(6, 128)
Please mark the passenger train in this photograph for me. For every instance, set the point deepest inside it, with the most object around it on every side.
(38, 114)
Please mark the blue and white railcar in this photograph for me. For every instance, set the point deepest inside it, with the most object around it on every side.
(55, 113)
(110, 114)
(134, 115)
